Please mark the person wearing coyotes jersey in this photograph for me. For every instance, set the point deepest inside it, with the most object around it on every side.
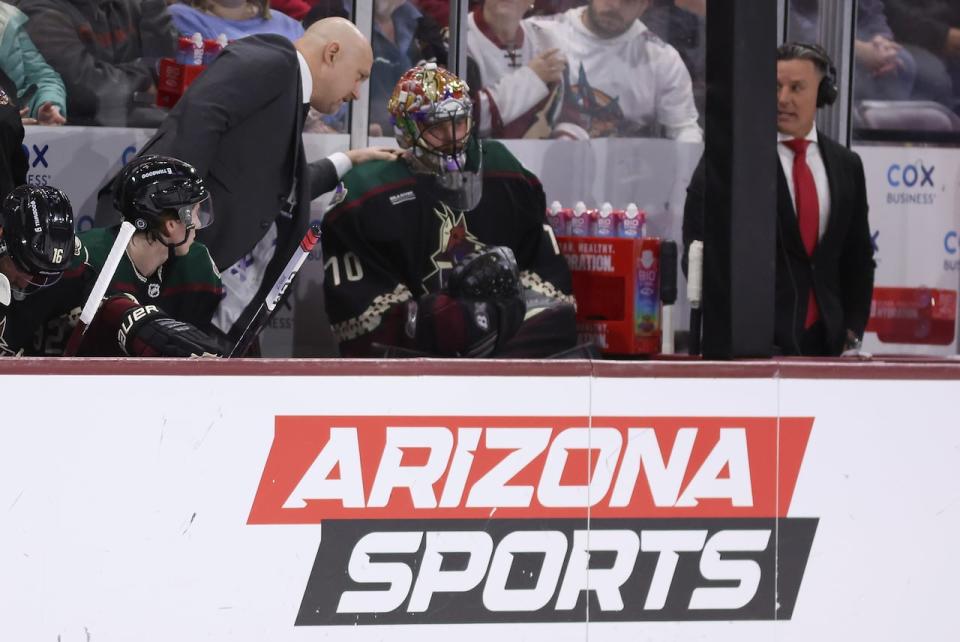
(186, 288)
(164, 291)
(623, 80)
(446, 252)
(37, 244)
(520, 68)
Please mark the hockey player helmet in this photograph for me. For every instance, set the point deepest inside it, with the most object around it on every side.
(36, 232)
(431, 111)
(152, 189)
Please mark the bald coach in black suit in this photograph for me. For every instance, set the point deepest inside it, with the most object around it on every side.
(240, 124)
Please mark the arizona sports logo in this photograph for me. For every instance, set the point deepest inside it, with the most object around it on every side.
(537, 519)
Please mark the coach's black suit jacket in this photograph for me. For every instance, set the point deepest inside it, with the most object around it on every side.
(841, 268)
(240, 125)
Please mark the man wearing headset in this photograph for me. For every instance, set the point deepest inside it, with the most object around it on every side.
(824, 274)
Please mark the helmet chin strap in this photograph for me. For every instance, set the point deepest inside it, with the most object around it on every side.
(186, 237)
(32, 286)
(172, 247)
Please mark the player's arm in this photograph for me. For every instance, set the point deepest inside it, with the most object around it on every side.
(543, 270)
(364, 297)
(203, 288)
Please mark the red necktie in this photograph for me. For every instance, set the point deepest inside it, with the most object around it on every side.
(808, 212)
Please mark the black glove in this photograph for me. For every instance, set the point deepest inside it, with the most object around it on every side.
(146, 331)
(481, 308)
(161, 336)
(489, 274)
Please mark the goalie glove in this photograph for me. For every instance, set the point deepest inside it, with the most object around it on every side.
(489, 274)
(481, 308)
(146, 331)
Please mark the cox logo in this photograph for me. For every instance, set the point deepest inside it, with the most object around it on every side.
(38, 164)
(39, 155)
(951, 242)
(84, 223)
(914, 175)
(127, 154)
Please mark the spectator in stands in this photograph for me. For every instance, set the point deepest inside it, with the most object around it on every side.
(296, 9)
(931, 31)
(439, 10)
(682, 24)
(322, 9)
(520, 68)
(21, 61)
(318, 123)
(623, 80)
(106, 51)
(394, 51)
(13, 160)
(233, 18)
(884, 69)
(309, 11)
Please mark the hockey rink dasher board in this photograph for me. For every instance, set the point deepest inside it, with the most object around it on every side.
(476, 506)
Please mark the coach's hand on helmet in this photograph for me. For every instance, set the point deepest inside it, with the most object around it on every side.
(358, 156)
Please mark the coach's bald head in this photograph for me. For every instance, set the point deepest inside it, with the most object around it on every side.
(339, 57)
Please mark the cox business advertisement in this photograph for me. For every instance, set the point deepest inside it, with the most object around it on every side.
(914, 196)
(477, 507)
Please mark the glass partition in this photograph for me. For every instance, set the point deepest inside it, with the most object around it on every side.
(581, 71)
(906, 67)
(78, 64)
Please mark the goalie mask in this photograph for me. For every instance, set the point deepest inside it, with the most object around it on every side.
(153, 189)
(36, 233)
(431, 111)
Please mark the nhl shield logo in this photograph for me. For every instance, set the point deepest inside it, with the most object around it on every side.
(153, 290)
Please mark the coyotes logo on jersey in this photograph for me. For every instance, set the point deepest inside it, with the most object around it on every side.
(454, 243)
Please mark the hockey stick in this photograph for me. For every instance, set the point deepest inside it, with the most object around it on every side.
(259, 319)
(5, 291)
(695, 293)
(668, 294)
(100, 287)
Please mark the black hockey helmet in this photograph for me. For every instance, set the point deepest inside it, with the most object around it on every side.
(36, 231)
(152, 187)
